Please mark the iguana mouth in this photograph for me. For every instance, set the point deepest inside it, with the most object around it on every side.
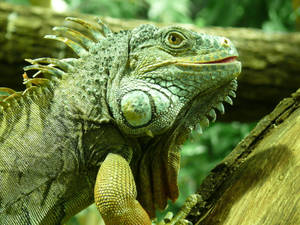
(227, 60)
(184, 62)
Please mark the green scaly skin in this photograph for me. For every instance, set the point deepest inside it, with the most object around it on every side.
(120, 110)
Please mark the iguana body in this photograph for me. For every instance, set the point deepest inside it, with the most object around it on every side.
(122, 110)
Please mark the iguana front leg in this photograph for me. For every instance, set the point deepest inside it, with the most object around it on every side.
(115, 194)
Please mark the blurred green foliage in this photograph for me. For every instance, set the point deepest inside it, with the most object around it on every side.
(20, 2)
(112, 8)
(270, 15)
(201, 152)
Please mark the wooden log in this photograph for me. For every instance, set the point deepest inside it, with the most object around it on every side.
(271, 68)
(259, 182)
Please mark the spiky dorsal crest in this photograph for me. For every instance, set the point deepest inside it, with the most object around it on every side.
(54, 69)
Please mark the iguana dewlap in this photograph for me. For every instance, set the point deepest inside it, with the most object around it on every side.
(109, 123)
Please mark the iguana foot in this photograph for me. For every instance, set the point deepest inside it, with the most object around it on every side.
(179, 218)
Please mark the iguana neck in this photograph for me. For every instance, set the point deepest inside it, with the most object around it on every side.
(82, 92)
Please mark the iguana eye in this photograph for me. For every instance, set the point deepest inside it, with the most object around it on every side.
(175, 39)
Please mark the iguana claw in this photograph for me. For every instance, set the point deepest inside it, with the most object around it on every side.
(179, 218)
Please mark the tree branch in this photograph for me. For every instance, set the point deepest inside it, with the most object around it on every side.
(258, 182)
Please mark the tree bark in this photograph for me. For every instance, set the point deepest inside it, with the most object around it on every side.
(259, 182)
(271, 68)
(44, 3)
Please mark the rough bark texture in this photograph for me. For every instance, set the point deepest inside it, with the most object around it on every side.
(271, 68)
(259, 182)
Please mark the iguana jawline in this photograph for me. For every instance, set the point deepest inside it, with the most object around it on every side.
(225, 60)
(230, 59)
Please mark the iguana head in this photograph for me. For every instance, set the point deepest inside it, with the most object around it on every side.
(155, 78)
(173, 76)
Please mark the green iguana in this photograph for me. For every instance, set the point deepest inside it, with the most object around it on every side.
(109, 124)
